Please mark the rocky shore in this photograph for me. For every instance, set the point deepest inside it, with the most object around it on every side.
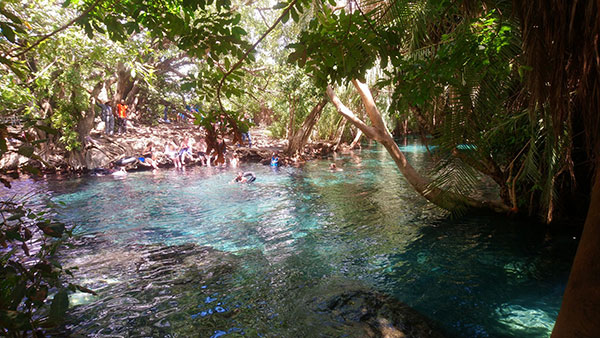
(103, 151)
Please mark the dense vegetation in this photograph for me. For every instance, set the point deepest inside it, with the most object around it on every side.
(507, 90)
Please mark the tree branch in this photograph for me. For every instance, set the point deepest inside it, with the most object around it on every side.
(370, 107)
(252, 48)
(371, 132)
(67, 25)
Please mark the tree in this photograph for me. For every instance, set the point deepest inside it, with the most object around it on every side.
(300, 137)
(357, 47)
(379, 132)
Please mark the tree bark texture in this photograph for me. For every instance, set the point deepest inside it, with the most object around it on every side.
(356, 140)
(340, 134)
(86, 123)
(124, 85)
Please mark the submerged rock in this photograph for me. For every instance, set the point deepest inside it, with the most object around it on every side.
(355, 311)
(141, 288)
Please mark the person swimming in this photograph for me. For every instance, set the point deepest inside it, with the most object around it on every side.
(333, 167)
(244, 177)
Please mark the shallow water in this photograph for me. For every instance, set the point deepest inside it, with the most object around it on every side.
(261, 250)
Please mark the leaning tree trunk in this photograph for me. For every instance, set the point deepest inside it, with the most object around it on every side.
(300, 137)
(379, 132)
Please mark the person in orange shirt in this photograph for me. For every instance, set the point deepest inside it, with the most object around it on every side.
(122, 115)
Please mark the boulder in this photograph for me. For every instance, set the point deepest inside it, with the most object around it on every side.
(96, 158)
(353, 310)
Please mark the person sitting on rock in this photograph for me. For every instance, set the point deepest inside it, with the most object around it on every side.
(171, 152)
(185, 150)
(149, 155)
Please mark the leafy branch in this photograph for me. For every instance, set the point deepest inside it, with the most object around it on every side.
(65, 26)
(284, 14)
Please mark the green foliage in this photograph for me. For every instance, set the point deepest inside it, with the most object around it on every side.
(296, 94)
(454, 73)
(14, 99)
(33, 292)
(336, 47)
(202, 28)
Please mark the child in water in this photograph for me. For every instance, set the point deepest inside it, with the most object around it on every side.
(240, 178)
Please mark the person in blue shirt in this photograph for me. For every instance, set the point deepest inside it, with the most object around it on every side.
(274, 160)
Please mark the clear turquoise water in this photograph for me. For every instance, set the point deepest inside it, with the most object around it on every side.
(292, 231)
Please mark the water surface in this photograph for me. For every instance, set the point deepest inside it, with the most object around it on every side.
(186, 253)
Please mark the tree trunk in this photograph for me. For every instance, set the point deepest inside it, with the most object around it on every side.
(124, 84)
(86, 122)
(578, 316)
(297, 142)
(290, 129)
(132, 99)
(357, 138)
(340, 134)
(378, 131)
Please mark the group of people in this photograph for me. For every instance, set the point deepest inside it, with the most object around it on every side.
(179, 154)
(186, 151)
(108, 117)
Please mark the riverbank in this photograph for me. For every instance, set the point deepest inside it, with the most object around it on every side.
(103, 151)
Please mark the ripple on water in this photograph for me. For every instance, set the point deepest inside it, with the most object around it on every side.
(179, 254)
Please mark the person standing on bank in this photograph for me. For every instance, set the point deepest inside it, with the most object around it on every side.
(108, 118)
(122, 111)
